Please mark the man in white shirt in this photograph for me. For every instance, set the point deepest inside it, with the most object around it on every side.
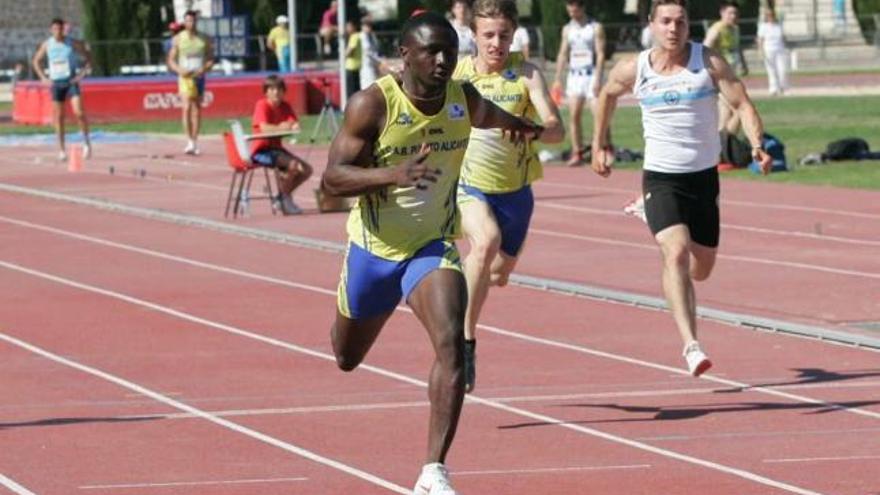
(520, 42)
(771, 43)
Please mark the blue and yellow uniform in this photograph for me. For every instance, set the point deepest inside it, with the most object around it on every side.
(399, 235)
(62, 68)
(496, 170)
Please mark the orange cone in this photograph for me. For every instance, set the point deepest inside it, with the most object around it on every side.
(74, 159)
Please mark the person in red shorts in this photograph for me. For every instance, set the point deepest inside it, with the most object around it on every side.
(273, 114)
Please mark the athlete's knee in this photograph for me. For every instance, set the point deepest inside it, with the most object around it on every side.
(344, 360)
(485, 247)
(676, 255)
(304, 169)
(701, 270)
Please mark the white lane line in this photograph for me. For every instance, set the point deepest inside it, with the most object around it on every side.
(508, 472)
(825, 459)
(262, 437)
(14, 487)
(751, 204)
(764, 434)
(488, 328)
(190, 483)
(748, 259)
(747, 475)
(731, 226)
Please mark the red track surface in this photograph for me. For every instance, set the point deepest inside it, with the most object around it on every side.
(574, 396)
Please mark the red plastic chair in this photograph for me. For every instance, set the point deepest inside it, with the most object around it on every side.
(242, 175)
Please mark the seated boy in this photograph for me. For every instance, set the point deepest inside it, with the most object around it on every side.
(273, 114)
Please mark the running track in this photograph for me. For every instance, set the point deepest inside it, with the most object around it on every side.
(142, 356)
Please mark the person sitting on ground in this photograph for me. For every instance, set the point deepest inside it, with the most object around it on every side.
(273, 114)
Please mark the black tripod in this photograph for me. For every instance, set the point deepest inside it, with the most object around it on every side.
(330, 113)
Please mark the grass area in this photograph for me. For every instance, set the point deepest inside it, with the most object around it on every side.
(804, 124)
(5, 107)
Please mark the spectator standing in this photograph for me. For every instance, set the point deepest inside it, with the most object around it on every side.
(521, 42)
(461, 21)
(329, 29)
(370, 59)
(353, 55)
(278, 40)
(771, 43)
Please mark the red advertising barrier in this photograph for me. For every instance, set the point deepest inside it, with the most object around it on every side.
(156, 98)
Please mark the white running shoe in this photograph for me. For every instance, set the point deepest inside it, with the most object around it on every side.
(191, 148)
(697, 361)
(288, 207)
(636, 208)
(62, 156)
(87, 151)
(434, 480)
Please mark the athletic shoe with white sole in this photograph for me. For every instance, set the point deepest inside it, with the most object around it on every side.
(288, 207)
(697, 361)
(434, 480)
(86, 151)
(636, 208)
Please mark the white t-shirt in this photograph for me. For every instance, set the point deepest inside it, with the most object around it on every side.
(520, 39)
(771, 35)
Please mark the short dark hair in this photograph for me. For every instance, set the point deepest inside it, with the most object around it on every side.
(496, 8)
(273, 81)
(430, 19)
(193, 13)
(658, 3)
(725, 5)
(58, 21)
(579, 3)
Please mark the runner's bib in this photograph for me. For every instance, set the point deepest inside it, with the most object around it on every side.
(59, 69)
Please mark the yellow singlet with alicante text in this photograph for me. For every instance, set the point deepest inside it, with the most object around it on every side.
(492, 163)
(395, 222)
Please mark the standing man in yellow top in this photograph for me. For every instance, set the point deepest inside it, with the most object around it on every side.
(582, 49)
(353, 55)
(399, 151)
(191, 57)
(724, 38)
(278, 40)
(495, 194)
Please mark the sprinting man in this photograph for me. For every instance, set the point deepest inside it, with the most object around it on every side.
(495, 194)
(272, 114)
(63, 54)
(400, 150)
(677, 84)
(191, 57)
(582, 49)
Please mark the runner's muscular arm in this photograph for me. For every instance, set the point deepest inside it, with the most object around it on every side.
(554, 131)
(734, 92)
(350, 170)
(599, 45)
(209, 58)
(171, 59)
(85, 53)
(621, 80)
(37, 62)
(561, 57)
(487, 115)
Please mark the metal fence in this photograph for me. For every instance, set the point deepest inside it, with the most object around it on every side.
(148, 55)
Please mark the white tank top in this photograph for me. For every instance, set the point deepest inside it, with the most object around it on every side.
(679, 116)
(581, 42)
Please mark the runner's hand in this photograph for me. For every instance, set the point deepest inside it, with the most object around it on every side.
(415, 173)
(602, 160)
(764, 160)
(522, 131)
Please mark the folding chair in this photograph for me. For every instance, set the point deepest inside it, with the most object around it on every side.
(243, 168)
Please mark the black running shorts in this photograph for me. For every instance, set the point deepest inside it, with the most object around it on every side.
(690, 199)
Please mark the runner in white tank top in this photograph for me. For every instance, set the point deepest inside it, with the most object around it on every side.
(677, 83)
(583, 50)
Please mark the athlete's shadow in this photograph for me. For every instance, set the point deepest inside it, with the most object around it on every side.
(676, 413)
(808, 376)
(76, 421)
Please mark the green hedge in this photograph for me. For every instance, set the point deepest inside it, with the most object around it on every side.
(865, 10)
